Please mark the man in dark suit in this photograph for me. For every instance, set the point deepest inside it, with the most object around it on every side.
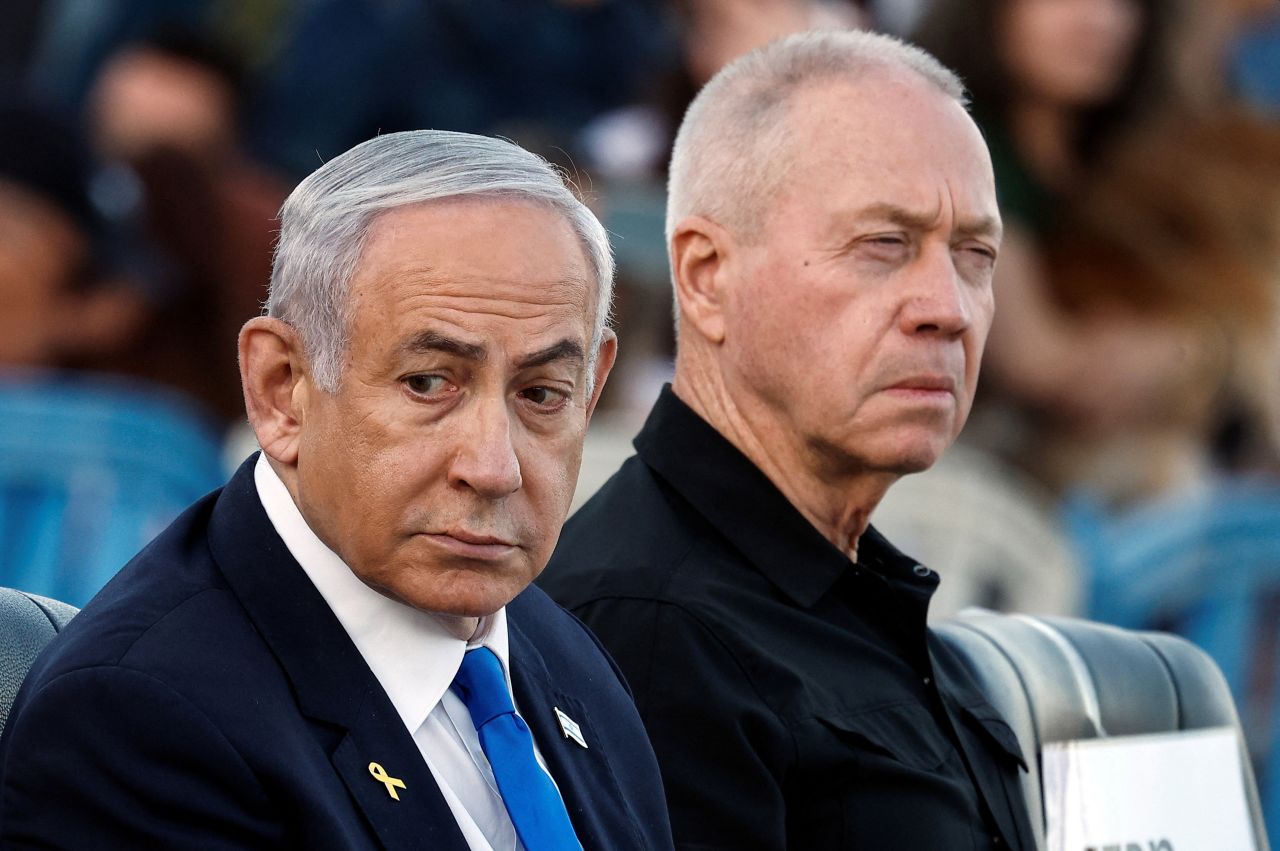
(832, 227)
(340, 649)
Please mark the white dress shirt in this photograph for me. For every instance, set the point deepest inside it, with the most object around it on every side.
(415, 658)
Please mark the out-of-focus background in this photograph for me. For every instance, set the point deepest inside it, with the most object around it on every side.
(1123, 458)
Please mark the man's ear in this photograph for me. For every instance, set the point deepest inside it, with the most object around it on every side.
(605, 357)
(276, 385)
(699, 251)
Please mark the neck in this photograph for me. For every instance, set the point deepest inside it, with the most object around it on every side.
(462, 627)
(838, 503)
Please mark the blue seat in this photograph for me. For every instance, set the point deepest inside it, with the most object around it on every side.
(90, 471)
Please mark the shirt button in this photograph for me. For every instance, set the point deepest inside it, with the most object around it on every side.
(921, 570)
(995, 840)
(927, 680)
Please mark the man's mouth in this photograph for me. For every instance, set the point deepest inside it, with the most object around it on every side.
(475, 545)
(924, 386)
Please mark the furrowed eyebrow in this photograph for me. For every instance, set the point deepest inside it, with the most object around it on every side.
(430, 341)
(564, 350)
(988, 226)
(896, 215)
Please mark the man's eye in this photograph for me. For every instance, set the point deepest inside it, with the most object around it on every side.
(545, 397)
(978, 255)
(886, 245)
(982, 250)
(426, 385)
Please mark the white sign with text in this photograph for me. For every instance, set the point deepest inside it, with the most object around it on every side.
(1164, 792)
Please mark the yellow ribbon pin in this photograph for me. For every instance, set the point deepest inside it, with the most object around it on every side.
(380, 774)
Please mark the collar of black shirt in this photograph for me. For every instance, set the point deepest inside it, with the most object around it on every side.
(744, 506)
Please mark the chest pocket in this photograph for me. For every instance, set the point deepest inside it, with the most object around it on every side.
(906, 733)
(993, 731)
(896, 781)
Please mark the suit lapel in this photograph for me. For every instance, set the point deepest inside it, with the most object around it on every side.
(600, 813)
(418, 816)
(335, 688)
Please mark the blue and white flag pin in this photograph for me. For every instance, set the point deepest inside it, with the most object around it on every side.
(570, 727)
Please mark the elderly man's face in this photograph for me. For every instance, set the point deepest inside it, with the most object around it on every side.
(865, 302)
(443, 467)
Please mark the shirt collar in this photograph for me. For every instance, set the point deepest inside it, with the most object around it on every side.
(749, 511)
(410, 651)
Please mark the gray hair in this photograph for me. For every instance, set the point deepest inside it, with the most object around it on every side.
(730, 152)
(325, 220)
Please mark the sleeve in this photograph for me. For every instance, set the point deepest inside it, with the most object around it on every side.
(723, 753)
(110, 758)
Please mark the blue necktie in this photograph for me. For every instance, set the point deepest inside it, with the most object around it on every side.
(531, 799)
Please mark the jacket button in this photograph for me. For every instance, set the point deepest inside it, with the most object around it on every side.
(921, 570)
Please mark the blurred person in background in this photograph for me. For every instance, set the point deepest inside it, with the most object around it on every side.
(536, 72)
(57, 304)
(1179, 227)
(1175, 505)
(164, 114)
(91, 465)
(64, 43)
(1053, 83)
(1070, 93)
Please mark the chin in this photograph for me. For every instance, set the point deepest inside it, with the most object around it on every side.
(917, 458)
(464, 593)
(914, 465)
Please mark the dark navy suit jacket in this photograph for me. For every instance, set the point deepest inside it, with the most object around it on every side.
(209, 698)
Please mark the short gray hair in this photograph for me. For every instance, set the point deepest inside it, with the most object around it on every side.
(729, 153)
(325, 220)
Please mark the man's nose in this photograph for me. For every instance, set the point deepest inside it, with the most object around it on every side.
(938, 299)
(486, 461)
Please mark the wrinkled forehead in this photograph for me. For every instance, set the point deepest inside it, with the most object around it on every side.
(472, 262)
(509, 240)
(877, 123)
(891, 137)
(880, 114)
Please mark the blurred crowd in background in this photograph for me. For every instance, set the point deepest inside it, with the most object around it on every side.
(1123, 458)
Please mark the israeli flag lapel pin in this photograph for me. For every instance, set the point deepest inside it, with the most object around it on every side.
(570, 727)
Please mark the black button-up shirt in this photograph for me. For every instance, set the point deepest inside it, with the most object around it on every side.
(795, 698)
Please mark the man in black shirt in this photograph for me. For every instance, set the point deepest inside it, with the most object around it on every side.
(833, 227)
